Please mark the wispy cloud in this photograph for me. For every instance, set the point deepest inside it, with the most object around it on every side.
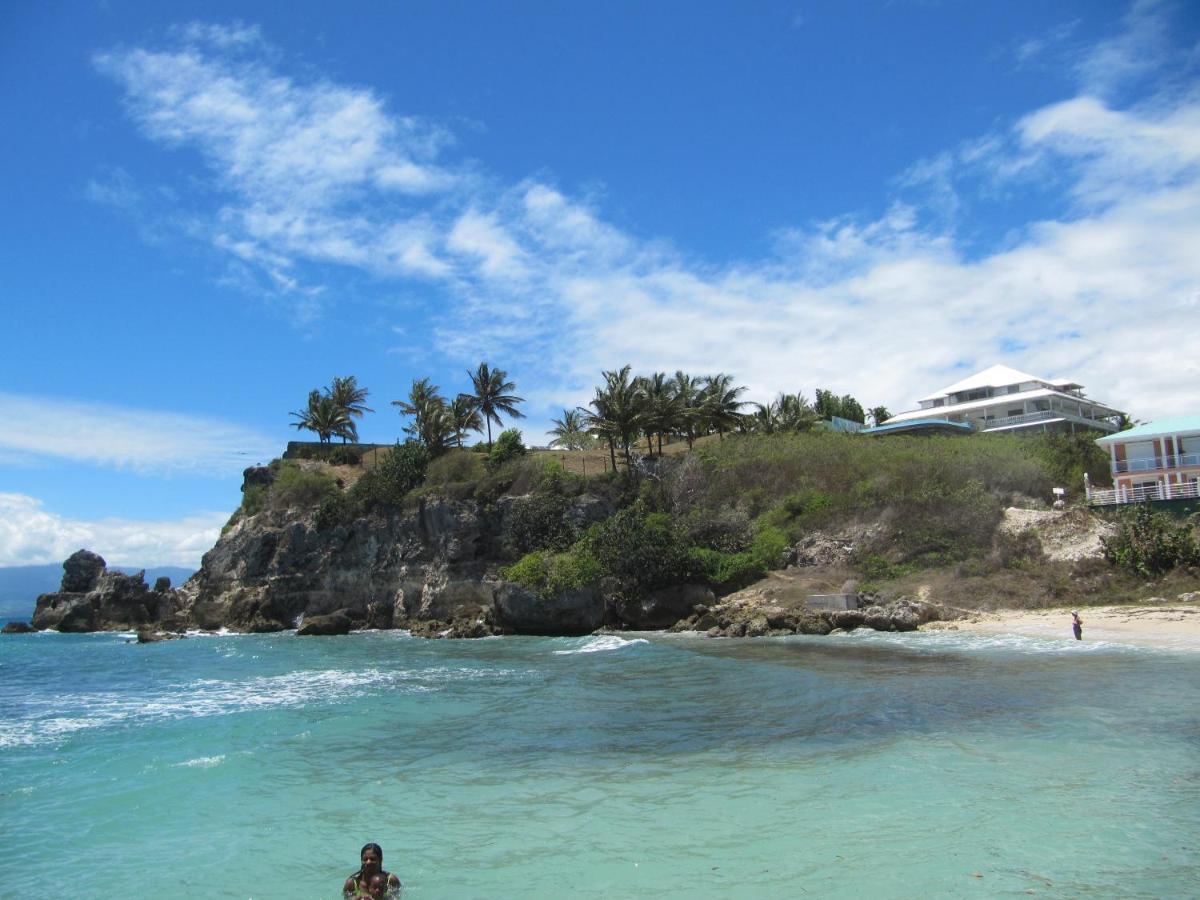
(141, 440)
(321, 173)
(30, 535)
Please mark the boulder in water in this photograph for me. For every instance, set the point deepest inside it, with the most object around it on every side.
(322, 626)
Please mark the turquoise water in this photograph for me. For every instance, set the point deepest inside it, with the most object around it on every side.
(653, 766)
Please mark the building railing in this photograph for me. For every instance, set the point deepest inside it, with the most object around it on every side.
(1042, 415)
(1110, 497)
(1149, 463)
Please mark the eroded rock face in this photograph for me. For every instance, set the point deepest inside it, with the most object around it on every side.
(93, 599)
(334, 623)
(81, 571)
(662, 608)
(572, 612)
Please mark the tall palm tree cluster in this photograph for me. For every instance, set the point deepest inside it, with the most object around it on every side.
(331, 412)
(436, 422)
(628, 407)
(439, 423)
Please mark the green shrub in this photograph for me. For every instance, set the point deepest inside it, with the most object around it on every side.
(1152, 543)
(303, 488)
(727, 571)
(394, 475)
(254, 499)
(641, 552)
(548, 574)
(338, 509)
(537, 523)
(768, 546)
(454, 466)
(507, 447)
(344, 456)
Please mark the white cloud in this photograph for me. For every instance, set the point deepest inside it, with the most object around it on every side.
(1102, 291)
(30, 535)
(142, 440)
(1140, 49)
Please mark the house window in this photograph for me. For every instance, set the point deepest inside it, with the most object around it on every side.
(1014, 389)
(1015, 412)
(938, 402)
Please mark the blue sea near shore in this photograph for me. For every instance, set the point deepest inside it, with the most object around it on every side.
(635, 766)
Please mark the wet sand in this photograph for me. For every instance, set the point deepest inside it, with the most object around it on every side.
(1168, 625)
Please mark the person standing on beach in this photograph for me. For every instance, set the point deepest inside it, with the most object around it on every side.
(1077, 625)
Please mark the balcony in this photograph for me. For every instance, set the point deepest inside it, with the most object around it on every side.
(1045, 415)
(1114, 496)
(1155, 463)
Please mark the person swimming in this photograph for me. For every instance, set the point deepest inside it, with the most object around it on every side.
(359, 883)
(377, 887)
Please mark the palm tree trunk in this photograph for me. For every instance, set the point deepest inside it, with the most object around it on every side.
(649, 443)
(489, 425)
(612, 452)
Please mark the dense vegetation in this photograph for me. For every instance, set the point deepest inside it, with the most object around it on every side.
(723, 514)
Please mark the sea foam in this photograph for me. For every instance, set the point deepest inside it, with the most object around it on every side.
(601, 643)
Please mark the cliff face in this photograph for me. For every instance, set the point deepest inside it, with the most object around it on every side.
(433, 565)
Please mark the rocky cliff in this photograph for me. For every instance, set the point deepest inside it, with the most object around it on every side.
(435, 570)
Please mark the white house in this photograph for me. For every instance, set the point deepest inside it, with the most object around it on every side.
(1003, 399)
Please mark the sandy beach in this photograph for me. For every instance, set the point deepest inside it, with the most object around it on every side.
(1169, 625)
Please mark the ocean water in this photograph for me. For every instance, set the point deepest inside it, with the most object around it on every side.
(864, 765)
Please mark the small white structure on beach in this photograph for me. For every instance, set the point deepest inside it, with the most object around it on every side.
(1003, 399)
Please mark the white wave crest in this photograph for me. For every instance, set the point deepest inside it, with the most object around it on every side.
(217, 697)
(967, 641)
(601, 643)
(202, 762)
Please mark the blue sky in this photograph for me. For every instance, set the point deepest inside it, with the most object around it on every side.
(213, 208)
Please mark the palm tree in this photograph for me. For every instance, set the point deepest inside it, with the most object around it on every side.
(465, 417)
(719, 403)
(687, 397)
(879, 415)
(346, 393)
(662, 406)
(570, 432)
(324, 417)
(618, 413)
(491, 396)
(764, 419)
(432, 421)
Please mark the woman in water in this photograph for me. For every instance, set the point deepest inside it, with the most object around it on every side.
(359, 884)
(1077, 625)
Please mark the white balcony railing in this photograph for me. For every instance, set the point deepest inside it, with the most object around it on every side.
(1149, 463)
(1187, 491)
(1044, 415)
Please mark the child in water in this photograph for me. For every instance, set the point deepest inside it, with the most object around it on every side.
(377, 887)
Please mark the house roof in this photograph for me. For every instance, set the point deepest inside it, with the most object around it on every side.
(996, 376)
(1158, 428)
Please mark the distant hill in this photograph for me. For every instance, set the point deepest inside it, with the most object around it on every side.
(20, 585)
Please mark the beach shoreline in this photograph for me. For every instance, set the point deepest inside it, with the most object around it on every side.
(1168, 625)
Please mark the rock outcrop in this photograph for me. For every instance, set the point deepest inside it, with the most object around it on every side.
(91, 598)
